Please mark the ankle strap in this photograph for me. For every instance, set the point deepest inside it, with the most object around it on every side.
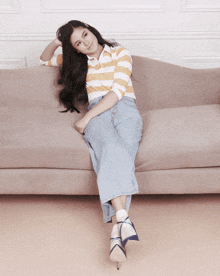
(124, 221)
(116, 238)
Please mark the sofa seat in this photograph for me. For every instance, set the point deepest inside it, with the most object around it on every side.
(43, 139)
(174, 138)
(183, 137)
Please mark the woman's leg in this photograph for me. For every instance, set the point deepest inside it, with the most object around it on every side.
(112, 163)
(119, 203)
(113, 138)
(113, 142)
(128, 125)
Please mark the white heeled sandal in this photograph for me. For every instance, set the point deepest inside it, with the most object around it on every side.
(117, 251)
(127, 231)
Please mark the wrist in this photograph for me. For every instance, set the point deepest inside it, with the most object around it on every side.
(88, 116)
(57, 42)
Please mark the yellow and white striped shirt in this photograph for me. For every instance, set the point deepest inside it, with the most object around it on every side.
(111, 72)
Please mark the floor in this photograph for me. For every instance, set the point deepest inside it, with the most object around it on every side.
(64, 235)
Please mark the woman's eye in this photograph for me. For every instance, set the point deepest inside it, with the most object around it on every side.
(78, 44)
(85, 34)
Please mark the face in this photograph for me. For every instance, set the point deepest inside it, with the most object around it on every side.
(85, 42)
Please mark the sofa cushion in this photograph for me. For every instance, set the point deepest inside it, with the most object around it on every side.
(183, 137)
(160, 85)
(172, 138)
(35, 137)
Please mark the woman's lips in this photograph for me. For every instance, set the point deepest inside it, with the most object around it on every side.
(90, 47)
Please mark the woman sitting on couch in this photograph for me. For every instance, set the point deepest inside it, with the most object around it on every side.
(99, 72)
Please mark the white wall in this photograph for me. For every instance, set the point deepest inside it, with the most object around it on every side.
(183, 32)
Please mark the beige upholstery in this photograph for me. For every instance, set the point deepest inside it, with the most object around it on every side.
(182, 137)
(42, 153)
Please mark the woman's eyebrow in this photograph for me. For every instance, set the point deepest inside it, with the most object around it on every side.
(82, 36)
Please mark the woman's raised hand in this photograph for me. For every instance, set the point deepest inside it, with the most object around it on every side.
(58, 42)
(50, 49)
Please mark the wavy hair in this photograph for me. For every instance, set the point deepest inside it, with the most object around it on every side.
(74, 68)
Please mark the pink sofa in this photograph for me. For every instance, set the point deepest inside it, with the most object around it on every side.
(42, 153)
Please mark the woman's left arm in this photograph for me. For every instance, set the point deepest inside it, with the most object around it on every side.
(122, 73)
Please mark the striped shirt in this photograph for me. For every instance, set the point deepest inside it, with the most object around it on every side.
(111, 72)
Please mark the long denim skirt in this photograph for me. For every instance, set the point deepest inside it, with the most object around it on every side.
(113, 138)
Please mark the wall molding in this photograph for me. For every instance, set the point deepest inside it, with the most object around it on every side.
(201, 59)
(121, 36)
(7, 63)
(186, 7)
(199, 62)
(164, 35)
(13, 7)
(158, 8)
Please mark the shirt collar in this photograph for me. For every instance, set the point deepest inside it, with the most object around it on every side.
(106, 49)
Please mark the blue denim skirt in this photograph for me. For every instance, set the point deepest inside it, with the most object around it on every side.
(113, 138)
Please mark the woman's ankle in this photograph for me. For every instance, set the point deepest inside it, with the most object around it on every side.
(121, 215)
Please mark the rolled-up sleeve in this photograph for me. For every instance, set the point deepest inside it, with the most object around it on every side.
(54, 61)
(122, 73)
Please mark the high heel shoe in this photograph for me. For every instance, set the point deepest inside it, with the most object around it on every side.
(117, 251)
(127, 231)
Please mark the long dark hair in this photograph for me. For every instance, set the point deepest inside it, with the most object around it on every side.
(74, 68)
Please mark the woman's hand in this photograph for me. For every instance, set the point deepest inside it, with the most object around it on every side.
(109, 100)
(58, 42)
(50, 49)
(81, 124)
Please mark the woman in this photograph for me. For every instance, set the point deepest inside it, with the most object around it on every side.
(99, 72)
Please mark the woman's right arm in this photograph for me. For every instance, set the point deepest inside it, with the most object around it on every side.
(50, 49)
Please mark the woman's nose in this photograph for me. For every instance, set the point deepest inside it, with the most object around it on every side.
(86, 42)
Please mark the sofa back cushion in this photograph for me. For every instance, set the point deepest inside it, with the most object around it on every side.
(157, 85)
(160, 85)
(29, 87)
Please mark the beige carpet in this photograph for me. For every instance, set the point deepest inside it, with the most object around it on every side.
(65, 236)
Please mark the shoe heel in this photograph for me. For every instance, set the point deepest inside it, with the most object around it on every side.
(118, 265)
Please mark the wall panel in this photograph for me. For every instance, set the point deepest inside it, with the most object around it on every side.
(113, 6)
(9, 6)
(200, 5)
(183, 32)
